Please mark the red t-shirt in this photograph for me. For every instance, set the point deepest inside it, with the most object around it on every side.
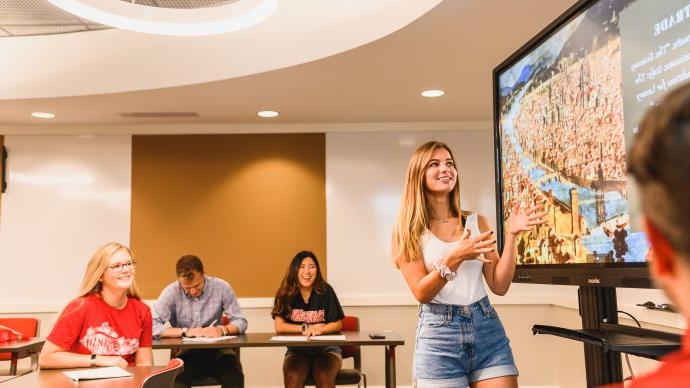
(673, 372)
(88, 325)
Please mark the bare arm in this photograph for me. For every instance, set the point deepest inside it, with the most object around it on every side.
(232, 329)
(55, 357)
(283, 327)
(172, 332)
(324, 328)
(499, 271)
(213, 331)
(143, 357)
(425, 285)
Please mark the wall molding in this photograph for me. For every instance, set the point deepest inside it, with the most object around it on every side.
(177, 129)
(661, 318)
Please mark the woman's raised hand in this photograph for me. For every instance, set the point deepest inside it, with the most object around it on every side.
(470, 248)
(522, 220)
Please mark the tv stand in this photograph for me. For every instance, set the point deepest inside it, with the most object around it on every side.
(604, 339)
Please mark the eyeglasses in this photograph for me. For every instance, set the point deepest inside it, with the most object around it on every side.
(123, 267)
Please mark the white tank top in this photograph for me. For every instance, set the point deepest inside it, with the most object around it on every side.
(468, 287)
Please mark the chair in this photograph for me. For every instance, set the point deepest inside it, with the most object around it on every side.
(349, 376)
(28, 327)
(164, 378)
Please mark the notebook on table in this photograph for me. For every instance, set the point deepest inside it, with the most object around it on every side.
(109, 372)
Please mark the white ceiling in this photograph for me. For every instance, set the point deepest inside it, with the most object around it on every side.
(453, 47)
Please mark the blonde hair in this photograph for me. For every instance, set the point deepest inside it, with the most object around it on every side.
(97, 266)
(413, 216)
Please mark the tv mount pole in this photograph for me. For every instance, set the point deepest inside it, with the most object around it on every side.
(598, 305)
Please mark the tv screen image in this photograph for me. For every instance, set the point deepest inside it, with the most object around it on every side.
(566, 108)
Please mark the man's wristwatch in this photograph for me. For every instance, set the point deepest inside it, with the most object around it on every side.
(93, 359)
(184, 332)
(444, 271)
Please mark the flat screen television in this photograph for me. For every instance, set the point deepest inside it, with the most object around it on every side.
(566, 107)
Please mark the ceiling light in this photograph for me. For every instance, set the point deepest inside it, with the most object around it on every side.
(235, 16)
(433, 93)
(268, 113)
(42, 115)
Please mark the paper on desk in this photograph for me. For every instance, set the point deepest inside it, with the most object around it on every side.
(208, 339)
(332, 337)
(97, 373)
(301, 338)
(289, 338)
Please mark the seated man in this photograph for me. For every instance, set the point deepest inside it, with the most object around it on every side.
(660, 162)
(194, 306)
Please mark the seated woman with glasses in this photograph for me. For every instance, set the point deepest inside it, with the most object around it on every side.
(305, 304)
(107, 324)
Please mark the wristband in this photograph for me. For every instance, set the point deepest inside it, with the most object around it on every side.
(444, 271)
(305, 327)
(93, 359)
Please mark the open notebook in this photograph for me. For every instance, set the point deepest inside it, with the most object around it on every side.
(97, 373)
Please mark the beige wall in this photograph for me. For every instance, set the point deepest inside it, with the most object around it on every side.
(245, 204)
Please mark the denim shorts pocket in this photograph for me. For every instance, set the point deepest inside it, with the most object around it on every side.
(434, 320)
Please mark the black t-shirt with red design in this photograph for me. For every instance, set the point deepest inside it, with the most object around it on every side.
(321, 308)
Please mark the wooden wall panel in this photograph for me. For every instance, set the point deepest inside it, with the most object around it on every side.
(245, 204)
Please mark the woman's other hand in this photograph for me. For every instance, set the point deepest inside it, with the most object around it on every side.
(522, 220)
(471, 248)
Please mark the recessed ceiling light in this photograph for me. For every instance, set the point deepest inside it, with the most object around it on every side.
(42, 115)
(268, 113)
(433, 93)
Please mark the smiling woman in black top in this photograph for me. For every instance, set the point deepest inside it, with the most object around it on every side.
(306, 304)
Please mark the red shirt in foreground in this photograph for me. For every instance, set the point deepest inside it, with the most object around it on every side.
(88, 325)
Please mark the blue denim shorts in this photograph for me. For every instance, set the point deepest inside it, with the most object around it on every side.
(458, 345)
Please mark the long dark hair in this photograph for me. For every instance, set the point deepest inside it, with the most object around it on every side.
(289, 287)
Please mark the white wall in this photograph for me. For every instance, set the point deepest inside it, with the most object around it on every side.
(66, 196)
(364, 179)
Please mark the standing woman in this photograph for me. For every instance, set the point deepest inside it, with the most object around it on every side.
(442, 253)
(305, 304)
(107, 324)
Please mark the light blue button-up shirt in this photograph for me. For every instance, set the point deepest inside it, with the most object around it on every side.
(182, 310)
